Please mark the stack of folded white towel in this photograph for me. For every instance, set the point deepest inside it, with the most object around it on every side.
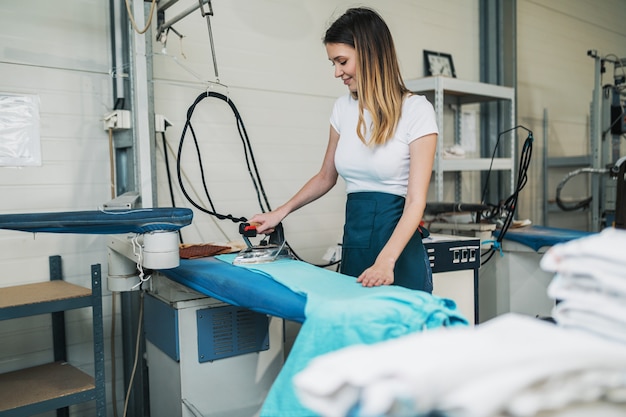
(512, 365)
(590, 283)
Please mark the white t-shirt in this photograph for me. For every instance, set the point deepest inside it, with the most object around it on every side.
(383, 168)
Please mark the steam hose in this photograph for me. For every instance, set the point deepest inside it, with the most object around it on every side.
(579, 204)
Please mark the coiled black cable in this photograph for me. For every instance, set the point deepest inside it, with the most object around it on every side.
(250, 163)
(169, 178)
(510, 204)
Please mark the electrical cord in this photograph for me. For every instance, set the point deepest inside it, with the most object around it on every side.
(137, 345)
(114, 295)
(495, 210)
(510, 204)
(173, 152)
(250, 163)
(169, 179)
(167, 169)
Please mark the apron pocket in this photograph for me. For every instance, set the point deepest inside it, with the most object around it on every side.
(357, 232)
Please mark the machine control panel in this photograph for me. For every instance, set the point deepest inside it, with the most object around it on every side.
(452, 253)
(464, 254)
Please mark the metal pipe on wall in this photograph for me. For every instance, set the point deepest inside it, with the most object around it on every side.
(596, 142)
(143, 110)
(498, 63)
(135, 167)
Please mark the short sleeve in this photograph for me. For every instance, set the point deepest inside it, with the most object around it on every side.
(421, 119)
(339, 110)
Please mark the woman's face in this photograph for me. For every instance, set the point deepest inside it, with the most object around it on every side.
(343, 57)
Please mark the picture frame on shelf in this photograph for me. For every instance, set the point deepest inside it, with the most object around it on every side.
(438, 63)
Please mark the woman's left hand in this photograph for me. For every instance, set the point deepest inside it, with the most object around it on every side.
(376, 275)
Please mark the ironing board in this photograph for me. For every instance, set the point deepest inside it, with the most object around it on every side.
(218, 279)
(238, 286)
(333, 304)
(335, 310)
(99, 221)
(536, 237)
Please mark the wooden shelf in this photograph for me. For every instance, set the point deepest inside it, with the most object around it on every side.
(40, 298)
(40, 293)
(56, 385)
(39, 384)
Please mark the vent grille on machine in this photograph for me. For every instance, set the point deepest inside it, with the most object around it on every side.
(230, 331)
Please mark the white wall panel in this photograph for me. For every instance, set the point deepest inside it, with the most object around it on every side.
(60, 52)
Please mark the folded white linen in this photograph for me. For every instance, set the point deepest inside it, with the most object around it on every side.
(607, 245)
(608, 275)
(590, 283)
(512, 364)
(589, 295)
(586, 317)
(596, 409)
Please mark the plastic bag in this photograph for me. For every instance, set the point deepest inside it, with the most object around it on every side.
(20, 142)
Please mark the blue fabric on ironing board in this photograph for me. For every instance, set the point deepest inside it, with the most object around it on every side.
(239, 286)
(99, 222)
(339, 313)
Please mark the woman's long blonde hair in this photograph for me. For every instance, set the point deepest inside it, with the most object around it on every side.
(380, 88)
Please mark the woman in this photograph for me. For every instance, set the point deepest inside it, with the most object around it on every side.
(382, 142)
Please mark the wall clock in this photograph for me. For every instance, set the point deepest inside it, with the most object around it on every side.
(438, 63)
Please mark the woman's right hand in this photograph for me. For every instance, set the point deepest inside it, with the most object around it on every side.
(265, 222)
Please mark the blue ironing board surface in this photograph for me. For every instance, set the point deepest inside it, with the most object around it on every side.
(536, 237)
(239, 286)
(142, 220)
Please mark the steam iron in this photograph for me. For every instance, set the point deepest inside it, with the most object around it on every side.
(271, 248)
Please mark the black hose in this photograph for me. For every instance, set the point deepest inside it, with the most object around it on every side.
(510, 204)
(253, 170)
(250, 162)
(169, 178)
(575, 205)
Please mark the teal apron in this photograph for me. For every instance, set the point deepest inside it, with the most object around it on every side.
(371, 218)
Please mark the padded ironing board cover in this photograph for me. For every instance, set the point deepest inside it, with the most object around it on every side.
(239, 286)
(536, 237)
(99, 222)
(341, 312)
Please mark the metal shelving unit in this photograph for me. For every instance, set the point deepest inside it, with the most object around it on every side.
(442, 91)
(55, 385)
